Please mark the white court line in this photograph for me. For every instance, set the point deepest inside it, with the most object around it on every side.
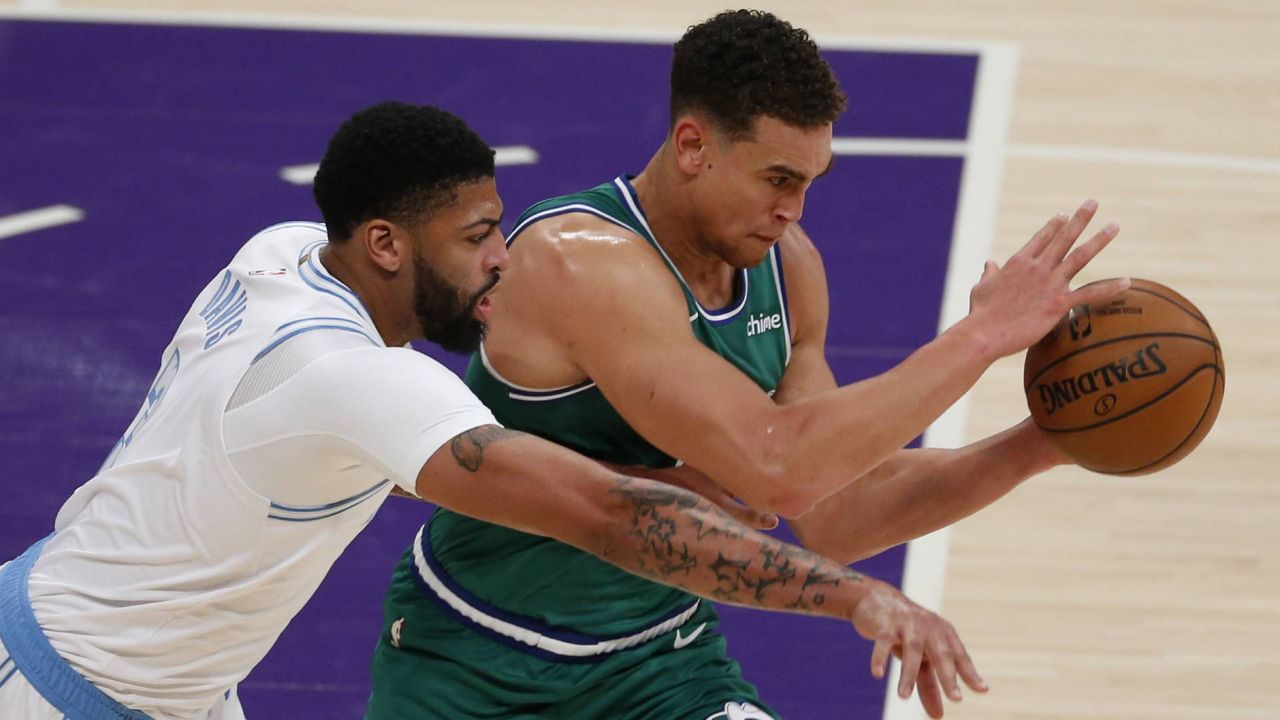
(1071, 153)
(1145, 157)
(33, 220)
(38, 5)
(926, 564)
(502, 156)
(899, 148)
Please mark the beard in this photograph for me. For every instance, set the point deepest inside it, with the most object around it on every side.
(447, 313)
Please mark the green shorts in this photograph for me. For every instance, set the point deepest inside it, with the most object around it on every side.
(430, 664)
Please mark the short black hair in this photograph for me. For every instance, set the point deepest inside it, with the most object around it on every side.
(396, 161)
(741, 64)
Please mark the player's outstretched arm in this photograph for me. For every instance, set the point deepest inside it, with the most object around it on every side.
(675, 537)
(696, 406)
(914, 491)
(919, 490)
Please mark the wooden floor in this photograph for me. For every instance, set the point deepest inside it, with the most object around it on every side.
(1085, 596)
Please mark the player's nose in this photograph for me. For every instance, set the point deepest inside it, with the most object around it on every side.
(496, 257)
(790, 208)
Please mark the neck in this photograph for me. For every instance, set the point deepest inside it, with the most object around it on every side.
(664, 195)
(376, 293)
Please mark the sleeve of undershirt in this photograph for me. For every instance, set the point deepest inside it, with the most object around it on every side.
(394, 405)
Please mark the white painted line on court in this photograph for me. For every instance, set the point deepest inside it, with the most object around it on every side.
(1130, 156)
(299, 174)
(854, 146)
(41, 219)
(504, 156)
(925, 569)
(899, 148)
(514, 155)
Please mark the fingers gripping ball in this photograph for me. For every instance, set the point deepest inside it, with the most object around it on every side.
(1130, 386)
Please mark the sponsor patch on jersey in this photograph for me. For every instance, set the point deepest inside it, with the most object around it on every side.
(760, 323)
(268, 272)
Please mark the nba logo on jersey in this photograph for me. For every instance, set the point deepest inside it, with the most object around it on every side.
(741, 711)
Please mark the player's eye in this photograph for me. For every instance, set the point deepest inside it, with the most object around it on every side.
(779, 180)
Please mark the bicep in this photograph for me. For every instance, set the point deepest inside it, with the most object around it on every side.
(808, 373)
(633, 340)
(683, 398)
(520, 481)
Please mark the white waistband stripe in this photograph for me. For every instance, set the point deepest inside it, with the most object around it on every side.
(533, 638)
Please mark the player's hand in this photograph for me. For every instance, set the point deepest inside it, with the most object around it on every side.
(930, 650)
(695, 481)
(1015, 305)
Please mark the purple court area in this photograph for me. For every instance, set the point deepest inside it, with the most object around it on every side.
(171, 139)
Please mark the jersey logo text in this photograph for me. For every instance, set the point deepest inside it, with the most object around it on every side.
(759, 324)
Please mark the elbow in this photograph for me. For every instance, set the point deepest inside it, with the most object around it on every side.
(789, 482)
(783, 489)
(790, 504)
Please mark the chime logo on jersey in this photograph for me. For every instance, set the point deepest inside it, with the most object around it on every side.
(759, 324)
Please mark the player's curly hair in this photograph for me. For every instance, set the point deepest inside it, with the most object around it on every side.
(396, 161)
(741, 64)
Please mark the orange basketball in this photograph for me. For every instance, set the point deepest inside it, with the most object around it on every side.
(1130, 386)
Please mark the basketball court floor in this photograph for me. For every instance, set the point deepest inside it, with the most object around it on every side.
(142, 144)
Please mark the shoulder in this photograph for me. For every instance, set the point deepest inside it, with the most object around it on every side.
(800, 257)
(388, 367)
(579, 234)
(570, 254)
(806, 283)
(288, 238)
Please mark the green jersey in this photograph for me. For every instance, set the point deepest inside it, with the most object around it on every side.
(508, 573)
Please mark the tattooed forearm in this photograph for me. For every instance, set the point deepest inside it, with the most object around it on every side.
(678, 538)
(468, 448)
(647, 495)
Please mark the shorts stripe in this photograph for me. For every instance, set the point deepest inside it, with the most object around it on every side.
(525, 633)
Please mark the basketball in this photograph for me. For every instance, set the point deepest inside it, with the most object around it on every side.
(1128, 387)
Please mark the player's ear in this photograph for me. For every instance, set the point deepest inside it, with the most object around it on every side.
(689, 139)
(385, 243)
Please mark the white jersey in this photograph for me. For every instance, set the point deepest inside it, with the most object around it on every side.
(275, 428)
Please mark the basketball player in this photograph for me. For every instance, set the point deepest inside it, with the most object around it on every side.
(681, 314)
(286, 409)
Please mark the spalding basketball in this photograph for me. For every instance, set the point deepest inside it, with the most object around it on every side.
(1129, 386)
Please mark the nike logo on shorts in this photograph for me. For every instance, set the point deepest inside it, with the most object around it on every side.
(683, 640)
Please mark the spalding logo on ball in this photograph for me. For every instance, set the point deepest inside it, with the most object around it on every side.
(1130, 386)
